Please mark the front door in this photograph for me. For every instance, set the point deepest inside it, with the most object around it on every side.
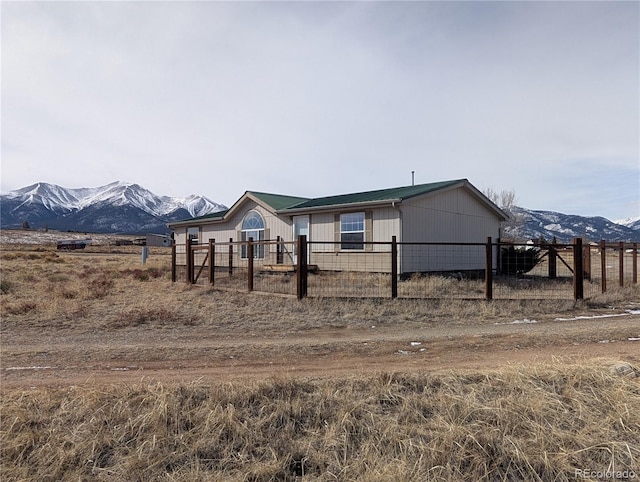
(300, 228)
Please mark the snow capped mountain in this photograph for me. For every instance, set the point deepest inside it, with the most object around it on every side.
(532, 224)
(116, 207)
(633, 223)
(60, 199)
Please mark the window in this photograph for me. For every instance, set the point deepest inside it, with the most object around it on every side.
(253, 227)
(193, 234)
(352, 231)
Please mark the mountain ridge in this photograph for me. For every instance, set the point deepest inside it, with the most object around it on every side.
(121, 207)
(536, 224)
(128, 208)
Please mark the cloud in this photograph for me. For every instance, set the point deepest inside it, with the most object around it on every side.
(320, 98)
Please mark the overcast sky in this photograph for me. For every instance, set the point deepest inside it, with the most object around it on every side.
(315, 99)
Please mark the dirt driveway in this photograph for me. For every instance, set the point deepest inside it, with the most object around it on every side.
(63, 356)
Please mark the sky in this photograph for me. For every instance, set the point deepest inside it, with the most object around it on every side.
(322, 98)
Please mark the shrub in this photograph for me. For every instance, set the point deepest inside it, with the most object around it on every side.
(5, 286)
(140, 275)
(142, 316)
(519, 260)
(100, 287)
(143, 274)
(21, 308)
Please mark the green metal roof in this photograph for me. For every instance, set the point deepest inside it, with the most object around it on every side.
(211, 216)
(278, 201)
(396, 193)
(282, 203)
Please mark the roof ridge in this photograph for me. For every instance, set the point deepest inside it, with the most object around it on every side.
(411, 187)
(377, 195)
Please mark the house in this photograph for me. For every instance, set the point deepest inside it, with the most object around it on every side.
(158, 240)
(341, 227)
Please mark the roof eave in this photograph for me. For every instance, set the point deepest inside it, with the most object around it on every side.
(339, 207)
(488, 202)
(194, 221)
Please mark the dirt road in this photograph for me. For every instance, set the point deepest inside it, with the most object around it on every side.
(53, 356)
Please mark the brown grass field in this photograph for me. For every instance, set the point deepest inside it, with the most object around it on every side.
(111, 372)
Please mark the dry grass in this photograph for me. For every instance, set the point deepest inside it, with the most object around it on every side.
(539, 422)
(116, 290)
(512, 424)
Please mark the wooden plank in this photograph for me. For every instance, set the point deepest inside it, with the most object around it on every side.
(285, 268)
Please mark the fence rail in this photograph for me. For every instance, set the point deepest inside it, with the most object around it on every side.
(489, 270)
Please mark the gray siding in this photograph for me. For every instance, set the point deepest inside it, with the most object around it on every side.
(451, 216)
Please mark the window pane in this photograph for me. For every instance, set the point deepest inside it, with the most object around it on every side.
(258, 249)
(352, 241)
(192, 234)
(352, 231)
(252, 220)
(352, 222)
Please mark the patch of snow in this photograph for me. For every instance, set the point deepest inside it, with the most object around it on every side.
(558, 228)
(518, 322)
(633, 339)
(613, 315)
(416, 343)
(629, 222)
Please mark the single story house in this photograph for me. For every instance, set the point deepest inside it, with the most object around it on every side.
(340, 227)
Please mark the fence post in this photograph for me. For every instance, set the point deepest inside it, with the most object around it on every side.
(488, 270)
(578, 273)
(173, 262)
(250, 265)
(553, 260)
(394, 267)
(586, 261)
(621, 265)
(189, 257)
(230, 257)
(278, 251)
(301, 268)
(212, 261)
(603, 265)
(634, 260)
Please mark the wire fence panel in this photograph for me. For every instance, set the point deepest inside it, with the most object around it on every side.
(349, 284)
(441, 270)
(274, 267)
(527, 271)
(338, 270)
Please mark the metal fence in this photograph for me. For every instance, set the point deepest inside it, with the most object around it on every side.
(483, 271)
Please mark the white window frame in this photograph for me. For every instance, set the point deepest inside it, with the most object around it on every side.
(351, 227)
(255, 232)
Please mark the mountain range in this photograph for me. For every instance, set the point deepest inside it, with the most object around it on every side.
(533, 224)
(128, 208)
(118, 207)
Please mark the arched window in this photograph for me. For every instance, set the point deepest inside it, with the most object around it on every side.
(253, 227)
